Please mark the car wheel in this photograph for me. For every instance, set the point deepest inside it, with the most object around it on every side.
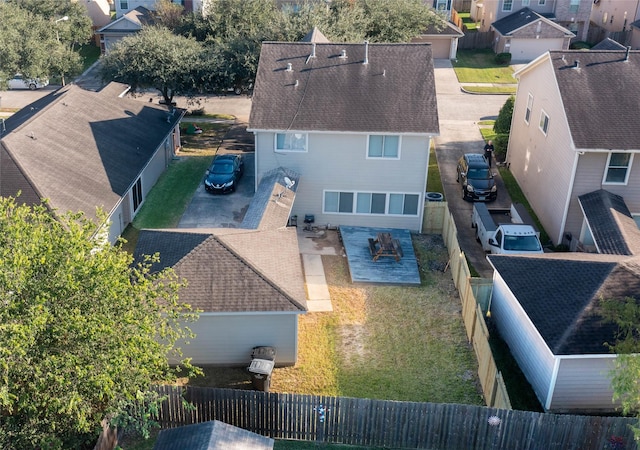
(32, 86)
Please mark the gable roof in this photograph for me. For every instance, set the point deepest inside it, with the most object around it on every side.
(601, 114)
(561, 293)
(130, 22)
(524, 18)
(212, 435)
(612, 226)
(445, 28)
(608, 44)
(231, 270)
(270, 207)
(315, 35)
(82, 149)
(393, 93)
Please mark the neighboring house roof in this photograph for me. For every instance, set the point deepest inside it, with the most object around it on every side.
(394, 92)
(131, 22)
(231, 270)
(561, 293)
(315, 35)
(445, 29)
(612, 226)
(271, 205)
(81, 149)
(608, 44)
(601, 114)
(523, 18)
(213, 435)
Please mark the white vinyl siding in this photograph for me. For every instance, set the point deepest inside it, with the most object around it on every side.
(618, 168)
(291, 142)
(384, 146)
(371, 203)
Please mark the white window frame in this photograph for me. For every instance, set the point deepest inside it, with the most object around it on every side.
(124, 4)
(354, 205)
(574, 6)
(137, 197)
(504, 5)
(542, 2)
(291, 150)
(544, 125)
(529, 110)
(384, 136)
(609, 166)
(525, 3)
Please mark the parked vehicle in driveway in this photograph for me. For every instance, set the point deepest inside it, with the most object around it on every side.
(20, 82)
(224, 174)
(476, 178)
(505, 231)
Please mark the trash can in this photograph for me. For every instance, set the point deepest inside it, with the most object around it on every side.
(434, 196)
(262, 361)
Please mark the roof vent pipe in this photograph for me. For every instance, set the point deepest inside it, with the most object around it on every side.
(289, 67)
(576, 64)
(343, 54)
(626, 56)
(366, 52)
(296, 85)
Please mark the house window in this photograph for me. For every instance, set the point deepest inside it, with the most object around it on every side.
(574, 5)
(441, 5)
(542, 2)
(371, 203)
(618, 168)
(338, 202)
(605, 16)
(291, 142)
(136, 193)
(525, 3)
(527, 113)
(507, 5)
(383, 146)
(124, 4)
(544, 122)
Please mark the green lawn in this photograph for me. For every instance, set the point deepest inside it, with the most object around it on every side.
(479, 66)
(90, 53)
(434, 182)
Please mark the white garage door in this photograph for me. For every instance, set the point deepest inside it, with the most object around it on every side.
(525, 50)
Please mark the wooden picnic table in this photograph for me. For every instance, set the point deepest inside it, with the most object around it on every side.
(385, 246)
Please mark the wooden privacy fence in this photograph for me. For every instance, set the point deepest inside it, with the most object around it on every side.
(390, 424)
(475, 294)
(477, 40)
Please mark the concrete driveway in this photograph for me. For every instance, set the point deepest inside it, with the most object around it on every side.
(459, 114)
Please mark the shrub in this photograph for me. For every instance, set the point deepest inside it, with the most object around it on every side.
(502, 124)
(580, 45)
(500, 146)
(503, 59)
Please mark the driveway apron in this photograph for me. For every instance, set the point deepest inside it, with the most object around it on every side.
(459, 114)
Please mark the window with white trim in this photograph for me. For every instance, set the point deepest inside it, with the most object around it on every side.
(507, 5)
(542, 2)
(383, 146)
(574, 5)
(618, 168)
(525, 3)
(544, 122)
(527, 114)
(136, 193)
(124, 4)
(291, 142)
(371, 203)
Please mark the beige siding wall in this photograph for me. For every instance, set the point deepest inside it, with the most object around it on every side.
(338, 162)
(583, 385)
(228, 339)
(612, 14)
(541, 164)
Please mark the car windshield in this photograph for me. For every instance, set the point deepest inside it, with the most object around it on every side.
(222, 168)
(479, 174)
(522, 243)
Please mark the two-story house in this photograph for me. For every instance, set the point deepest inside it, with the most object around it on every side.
(124, 6)
(570, 14)
(575, 131)
(355, 121)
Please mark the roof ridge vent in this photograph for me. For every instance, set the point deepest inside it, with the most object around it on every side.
(289, 67)
(343, 54)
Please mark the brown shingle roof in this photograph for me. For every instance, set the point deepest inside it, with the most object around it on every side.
(601, 97)
(394, 92)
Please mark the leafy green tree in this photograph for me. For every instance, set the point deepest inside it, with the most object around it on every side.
(168, 14)
(502, 128)
(82, 331)
(157, 58)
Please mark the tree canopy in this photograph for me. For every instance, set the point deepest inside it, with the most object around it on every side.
(82, 331)
(157, 58)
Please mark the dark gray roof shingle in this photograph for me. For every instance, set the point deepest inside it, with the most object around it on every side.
(601, 97)
(561, 294)
(213, 435)
(611, 223)
(522, 18)
(394, 92)
(608, 44)
(83, 149)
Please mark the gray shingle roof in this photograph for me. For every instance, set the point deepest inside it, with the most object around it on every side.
(315, 35)
(231, 270)
(611, 223)
(139, 16)
(601, 97)
(561, 292)
(213, 435)
(83, 149)
(394, 92)
(608, 44)
(522, 18)
(271, 205)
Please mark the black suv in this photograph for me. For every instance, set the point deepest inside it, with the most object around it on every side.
(476, 178)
